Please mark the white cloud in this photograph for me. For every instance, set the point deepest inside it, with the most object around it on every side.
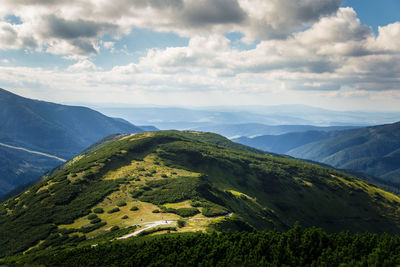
(303, 45)
(278, 18)
(128, 69)
(202, 53)
(335, 51)
(76, 26)
(164, 89)
(110, 46)
(83, 65)
(389, 38)
(75, 57)
(15, 37)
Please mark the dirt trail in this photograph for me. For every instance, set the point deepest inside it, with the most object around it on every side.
(147, 226)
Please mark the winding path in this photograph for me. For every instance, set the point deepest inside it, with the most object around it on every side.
(147, 226)
(33, 152)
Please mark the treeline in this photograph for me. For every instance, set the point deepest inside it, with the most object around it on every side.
(297, 247)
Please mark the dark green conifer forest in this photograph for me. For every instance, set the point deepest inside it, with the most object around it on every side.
(296, 247)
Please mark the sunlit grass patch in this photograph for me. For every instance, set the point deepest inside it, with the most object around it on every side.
(241, 195)
(303, 182)
(45, 187)
(183, 204)
(196, 225)
(149, 168)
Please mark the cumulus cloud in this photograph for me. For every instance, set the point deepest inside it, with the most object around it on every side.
(74, 29)
(341, 34)
(128, 69)
(202, 53)
(83, 65)
(278, 18)
(301, 46)
(206, 12)
(338, 50)
(82, 23)
(388, 38)
(8, 34)
(15, 37)
(123, 85)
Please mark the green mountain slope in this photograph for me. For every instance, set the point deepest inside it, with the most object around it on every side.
(173, 181)
(46, 127)
(372, 150)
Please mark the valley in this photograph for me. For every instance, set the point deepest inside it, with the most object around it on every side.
(34, 152)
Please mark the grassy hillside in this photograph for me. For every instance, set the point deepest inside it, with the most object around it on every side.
(179, 182)
(372, 150)
(46, 127)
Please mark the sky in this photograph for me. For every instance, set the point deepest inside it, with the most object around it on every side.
(335, 54)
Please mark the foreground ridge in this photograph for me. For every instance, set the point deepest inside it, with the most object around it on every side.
(126, 182)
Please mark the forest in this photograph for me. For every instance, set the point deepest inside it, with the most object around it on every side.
(296, 247)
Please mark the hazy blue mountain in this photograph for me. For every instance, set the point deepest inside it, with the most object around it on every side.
(257, 129)
(320, 116)
(188, 118)
(372, 150)
(285, 142)
(52, 128)
(185, 118)
(46, 127)
(148, 128)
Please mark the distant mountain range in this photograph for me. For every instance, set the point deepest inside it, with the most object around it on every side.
(227, 120)
(166, 118)
(55, 129)
(257, 129)
(283, 143)
(371, 150)
(64, 131)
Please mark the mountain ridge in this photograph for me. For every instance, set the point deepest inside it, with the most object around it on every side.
(373, 150)
(18, 113)
(128, 180)
(285, 142)
(45, 127)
